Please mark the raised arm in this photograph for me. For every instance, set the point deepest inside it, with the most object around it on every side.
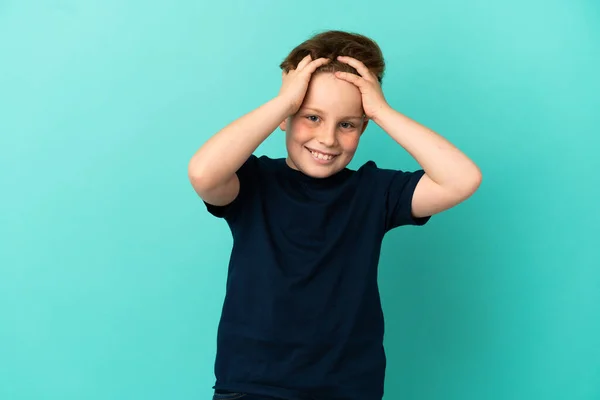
(212, 169)
(450, 176)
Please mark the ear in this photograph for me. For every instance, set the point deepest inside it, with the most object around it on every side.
(283, 125)
(365, 125)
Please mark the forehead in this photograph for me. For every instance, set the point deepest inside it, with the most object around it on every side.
(332, 95)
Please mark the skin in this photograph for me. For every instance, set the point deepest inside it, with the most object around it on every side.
(450, 176)
(331, 121)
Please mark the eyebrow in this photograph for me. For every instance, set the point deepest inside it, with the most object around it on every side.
(321, 112)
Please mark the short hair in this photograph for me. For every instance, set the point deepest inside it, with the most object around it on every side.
(333, 43)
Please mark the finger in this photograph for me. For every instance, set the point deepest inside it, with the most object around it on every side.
(304, 62)
(358, 66)
(317, 63)
(349, 77)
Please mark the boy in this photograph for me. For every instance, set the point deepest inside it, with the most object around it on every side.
(302, 318)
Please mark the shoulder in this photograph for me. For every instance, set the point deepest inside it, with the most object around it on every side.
(371, 172)
(259, 164)
(265, 162)
(252, 175)
(395, 189)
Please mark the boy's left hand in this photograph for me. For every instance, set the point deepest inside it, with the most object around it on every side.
(373, 99)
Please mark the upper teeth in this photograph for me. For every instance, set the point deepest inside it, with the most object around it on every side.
(321, 156)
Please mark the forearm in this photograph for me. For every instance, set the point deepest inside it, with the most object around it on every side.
(445, 164)
(225, 152)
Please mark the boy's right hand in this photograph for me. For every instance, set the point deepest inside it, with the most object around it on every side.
(295, 82)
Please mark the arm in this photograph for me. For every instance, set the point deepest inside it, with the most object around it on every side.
(212, 169)
(450, 176)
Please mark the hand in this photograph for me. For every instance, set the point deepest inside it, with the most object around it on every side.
(373, 99)
(295, 82)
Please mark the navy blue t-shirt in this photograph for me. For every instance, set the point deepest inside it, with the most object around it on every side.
(302, 317)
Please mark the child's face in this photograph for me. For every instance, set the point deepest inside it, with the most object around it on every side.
(322, 137)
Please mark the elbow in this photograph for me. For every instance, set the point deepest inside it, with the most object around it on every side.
(198, 175)
(465, 185)
(476, 178)
(472, 182)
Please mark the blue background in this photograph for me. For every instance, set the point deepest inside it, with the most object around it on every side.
(112, 273)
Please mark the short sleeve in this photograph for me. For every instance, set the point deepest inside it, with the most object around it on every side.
(247, 175)
(399, 189)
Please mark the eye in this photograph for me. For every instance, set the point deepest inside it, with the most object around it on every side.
(349, 125)
(310, 118)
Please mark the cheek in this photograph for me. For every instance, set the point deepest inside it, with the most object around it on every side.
(349, 142)
(299, 132)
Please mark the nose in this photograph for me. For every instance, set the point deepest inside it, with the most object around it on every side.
(327, 136)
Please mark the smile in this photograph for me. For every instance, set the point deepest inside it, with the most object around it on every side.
(321, 157)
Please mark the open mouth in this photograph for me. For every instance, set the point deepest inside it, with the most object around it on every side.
(323, 158)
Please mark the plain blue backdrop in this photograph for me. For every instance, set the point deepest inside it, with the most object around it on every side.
(112, 273)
